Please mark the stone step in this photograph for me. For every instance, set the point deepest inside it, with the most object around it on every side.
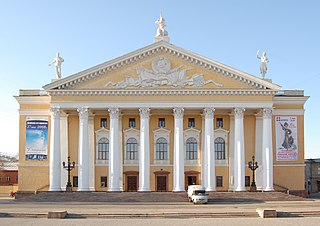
(213, 197)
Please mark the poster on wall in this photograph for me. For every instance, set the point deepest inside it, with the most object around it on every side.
(36, 139)
(286, 138)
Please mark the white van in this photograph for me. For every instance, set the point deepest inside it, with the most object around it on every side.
(197, 194)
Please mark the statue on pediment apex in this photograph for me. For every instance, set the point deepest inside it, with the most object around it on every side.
(161, 29)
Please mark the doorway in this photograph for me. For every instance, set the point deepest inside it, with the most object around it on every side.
(132, 183)
(161, 183)
(191, 180)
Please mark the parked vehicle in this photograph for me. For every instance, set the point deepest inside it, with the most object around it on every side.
(197, 194)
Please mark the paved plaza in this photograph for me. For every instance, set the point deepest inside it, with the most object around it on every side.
(183, 213)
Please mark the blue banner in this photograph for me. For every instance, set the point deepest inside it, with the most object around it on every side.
(36, 139)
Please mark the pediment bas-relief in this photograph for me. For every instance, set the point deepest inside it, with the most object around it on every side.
(161, 71)
(162, 74)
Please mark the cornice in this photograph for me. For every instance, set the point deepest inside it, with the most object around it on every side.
(153, 49)
(290, 99)
(33, 99)
(169, 92)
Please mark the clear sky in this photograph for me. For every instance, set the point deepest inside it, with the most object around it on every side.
(87, 33)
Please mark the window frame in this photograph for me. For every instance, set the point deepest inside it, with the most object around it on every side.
(161, 122)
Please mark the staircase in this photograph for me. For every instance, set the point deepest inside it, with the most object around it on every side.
(214, 197)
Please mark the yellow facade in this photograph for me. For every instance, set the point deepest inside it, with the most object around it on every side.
(237, 90)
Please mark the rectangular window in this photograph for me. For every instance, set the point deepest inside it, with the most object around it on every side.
(161, 122)
(191, 123)
(247, 181)
(104, 182)
(75, 181)
(132, 122)
(8, 178)
(103, 123)
(319, 171)
(16, 178)
(219, 181)
(219, 122)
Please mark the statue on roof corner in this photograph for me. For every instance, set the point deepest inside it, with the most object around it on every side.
(264, 60)
(162, 24)
(57, 61)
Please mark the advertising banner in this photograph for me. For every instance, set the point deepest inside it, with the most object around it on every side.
(36, 139)
(286, 138)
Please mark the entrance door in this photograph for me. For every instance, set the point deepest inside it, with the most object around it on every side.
(161, 183)
(132, 183)
(192, 180)
(318, 183)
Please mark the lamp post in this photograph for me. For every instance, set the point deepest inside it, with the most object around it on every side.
(253, 165)
(70, 166)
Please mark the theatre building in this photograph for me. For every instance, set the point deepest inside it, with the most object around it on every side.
(159, 119)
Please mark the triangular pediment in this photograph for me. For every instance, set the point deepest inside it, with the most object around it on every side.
(161, 66)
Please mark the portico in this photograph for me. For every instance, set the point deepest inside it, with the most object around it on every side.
(205, 161)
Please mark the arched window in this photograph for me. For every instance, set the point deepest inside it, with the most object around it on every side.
(103, 149)
(132, 149)
(220, 148)
(161, 149)
(191, 149)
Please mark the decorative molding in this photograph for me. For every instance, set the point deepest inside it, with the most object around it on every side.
(163, 104)
(178, 112)
(288, 112)
(155, 49)
(144, 112)
(169, 92)
(293, 165)
(83, 112)
(267, 113)
(55, 112)
(238, 113)
(114, 113)
(35, 112)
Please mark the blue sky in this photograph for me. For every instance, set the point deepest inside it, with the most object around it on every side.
(87, 33)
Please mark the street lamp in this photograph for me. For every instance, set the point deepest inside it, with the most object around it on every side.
(253, 165)
(70, 166)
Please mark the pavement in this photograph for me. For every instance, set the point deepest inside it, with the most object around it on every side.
(305, 212)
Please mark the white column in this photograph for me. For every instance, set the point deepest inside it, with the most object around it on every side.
(231, 155)
(267, 150)
(83, 155)
(55, 156)
(239, 149)
(121, 152)
(209, 147)
(91, 153)
(258, 154)
(204, 170)
(178, 168)
(114, 153)
(144, 155)
(64, 148)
